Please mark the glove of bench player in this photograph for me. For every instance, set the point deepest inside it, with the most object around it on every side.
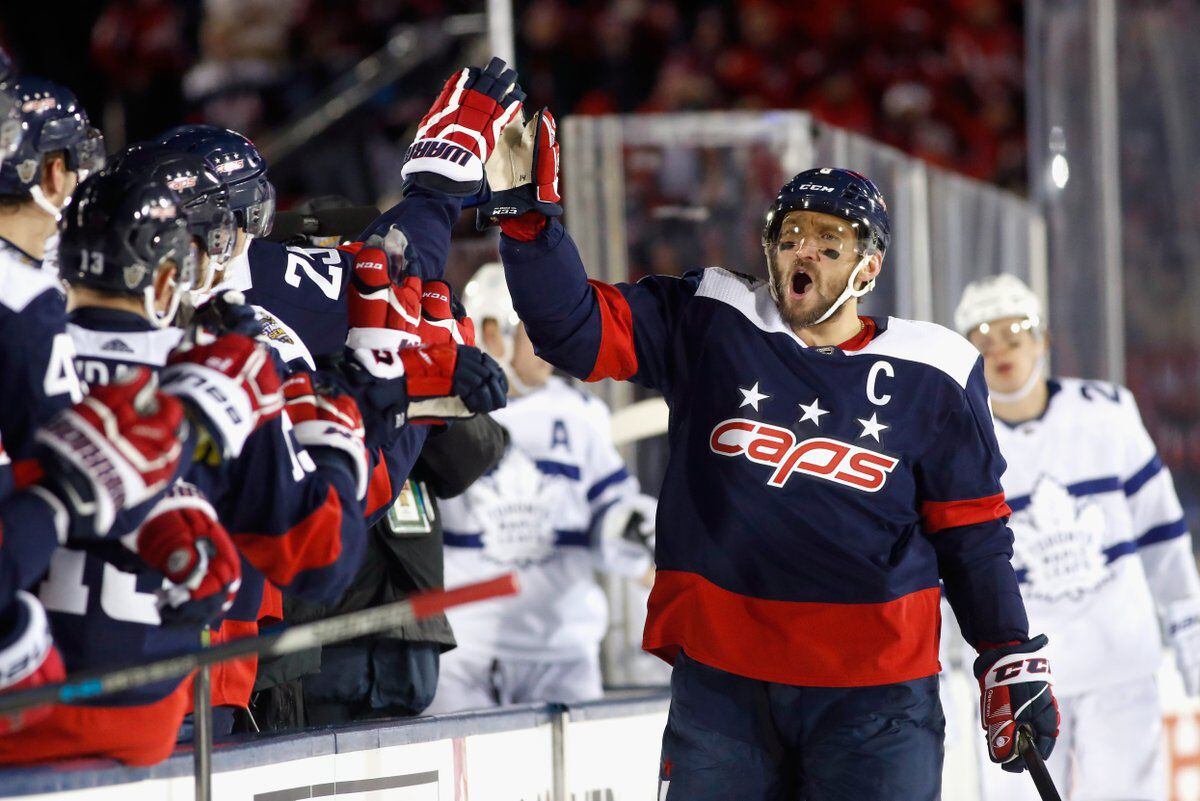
(323, 416)
(115, 449)
(384, 299)
(459, 132)
(28, 657)
(443, 318)
(230, 385)
(1015, 685)
(447, 381)
(1182, 621)
(523, 175)
(228, 313)
(182, 539)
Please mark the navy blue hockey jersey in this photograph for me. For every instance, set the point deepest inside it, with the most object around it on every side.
(814, 496)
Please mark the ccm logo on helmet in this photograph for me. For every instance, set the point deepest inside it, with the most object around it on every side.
(816, 187)
(820, 457)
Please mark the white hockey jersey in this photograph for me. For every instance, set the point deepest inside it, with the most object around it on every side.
(1101, 545)
(537, 513)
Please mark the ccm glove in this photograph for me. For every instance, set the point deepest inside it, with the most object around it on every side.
(384, 299)
(1014, 682)
(1182, 620)
(459, 132)
(114, 450)
(523, 174)
(447, 381)
(231, 385)
(182, 539)
(28, 657)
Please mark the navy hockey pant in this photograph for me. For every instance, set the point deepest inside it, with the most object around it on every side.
(731, 738)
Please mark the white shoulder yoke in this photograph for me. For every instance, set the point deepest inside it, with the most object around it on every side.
(927, 343)
(21, 283)
(751, 297)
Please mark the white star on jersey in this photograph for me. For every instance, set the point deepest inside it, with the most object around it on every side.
(751, 397)
(872, 427)
(813, 411)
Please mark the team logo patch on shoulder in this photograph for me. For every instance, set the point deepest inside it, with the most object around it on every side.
(818, 457)
(274, 330)
(116, 346)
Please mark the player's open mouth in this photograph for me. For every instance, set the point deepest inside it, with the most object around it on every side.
(800, 283)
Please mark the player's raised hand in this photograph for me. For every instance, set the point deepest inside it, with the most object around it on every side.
(182, 539)
(1015, 686)
(325, 416)
(523, 172)
(384, 297)
(443, 318)
(228, 313)
(115, 449)
(459, 132)
(230, 385)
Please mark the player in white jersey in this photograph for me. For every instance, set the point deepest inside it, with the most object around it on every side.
(559, 506)
(1101, 549)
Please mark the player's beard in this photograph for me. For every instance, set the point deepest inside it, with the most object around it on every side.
(815, 303)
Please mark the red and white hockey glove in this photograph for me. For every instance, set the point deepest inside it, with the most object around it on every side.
(28, 657)
(182, 539)
(523, 175)
(231, 384)
(448, 381)
(115, 449)
(1015, 685)
(443, 318)
(325, 417)
(384, 299)
(459, 132)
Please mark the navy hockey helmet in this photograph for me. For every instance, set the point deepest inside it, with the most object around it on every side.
(239, 165)
(842, 193)
(51, 120)
(204, 199)
(122, 226)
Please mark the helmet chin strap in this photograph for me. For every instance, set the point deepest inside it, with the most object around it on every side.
(849, 291)
(1035, 377)
(45, 205)
(162, 319)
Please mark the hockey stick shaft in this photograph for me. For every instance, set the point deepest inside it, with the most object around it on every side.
(92, 684)
(1037, 767)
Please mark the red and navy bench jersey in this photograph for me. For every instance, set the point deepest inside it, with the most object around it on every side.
(814, 496)
(306, 289)
(300, 522)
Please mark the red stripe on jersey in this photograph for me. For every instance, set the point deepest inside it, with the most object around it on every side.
(232, 681)
(948, 514)
(313, 543)
(379, 488)
(616, 358)
(793, 642)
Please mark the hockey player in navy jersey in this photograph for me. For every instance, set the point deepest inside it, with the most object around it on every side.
(302, 293)
(1102, 551)
(827, 470)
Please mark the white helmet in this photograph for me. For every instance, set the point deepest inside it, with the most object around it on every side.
(993, 298)
(486, 297)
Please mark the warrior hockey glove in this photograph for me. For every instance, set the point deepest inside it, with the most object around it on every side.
(28, 657)
(1182, 620)
(114, 450)
(457, 135)
(384, 299)
(523, 173)
(443, 318)
(231, 385)
(325, 417)
(1014, 681)
(182, 539)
